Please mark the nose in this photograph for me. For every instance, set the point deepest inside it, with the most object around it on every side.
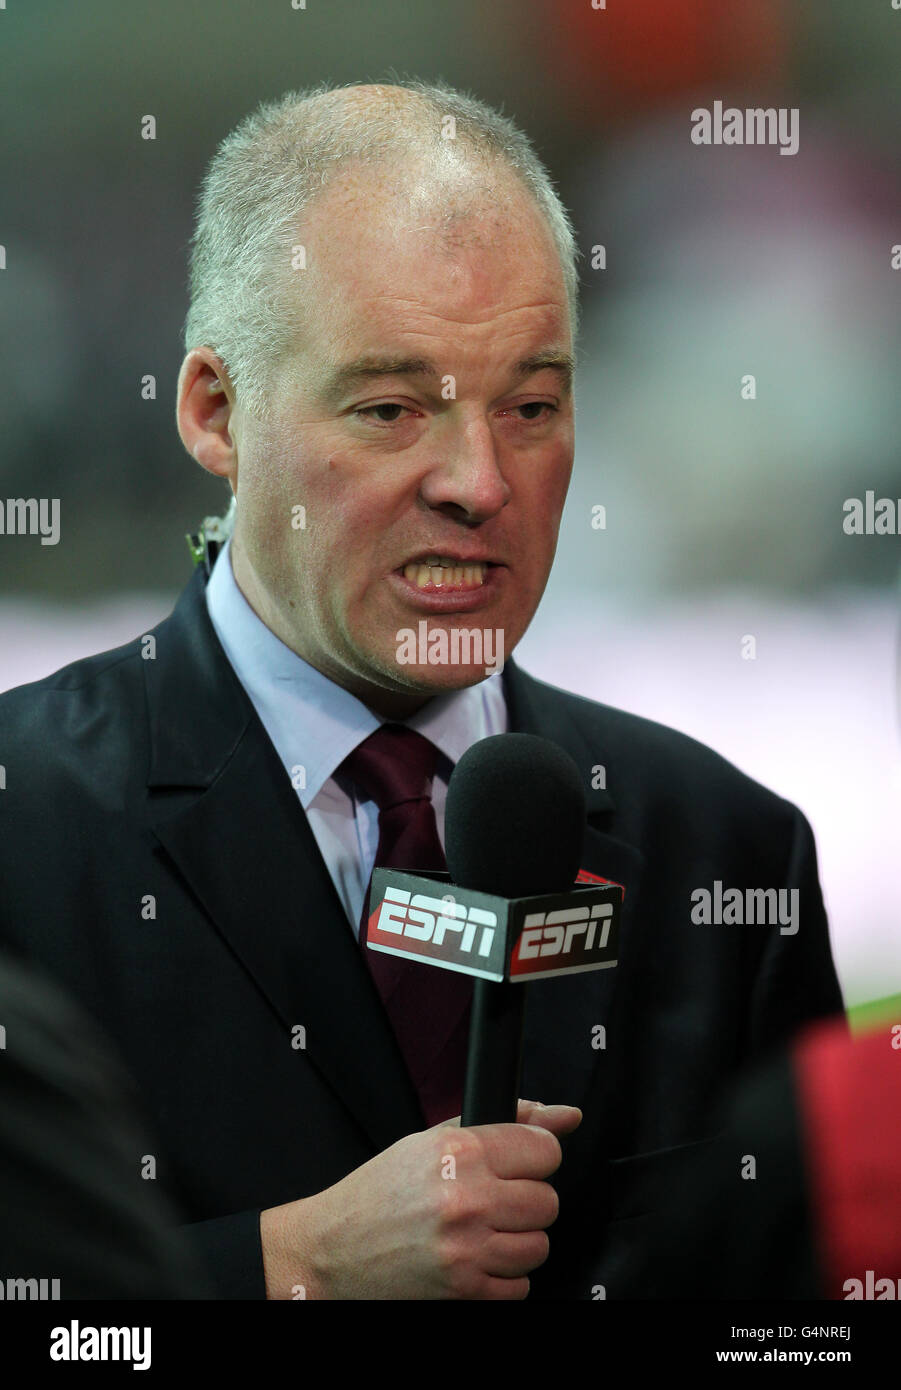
(466, 481)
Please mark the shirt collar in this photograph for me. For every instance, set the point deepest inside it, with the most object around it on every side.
(315, 723)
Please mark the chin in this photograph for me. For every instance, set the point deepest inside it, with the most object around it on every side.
(435, 680)
(448, 662)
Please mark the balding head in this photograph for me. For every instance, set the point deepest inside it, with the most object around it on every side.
(446, 152)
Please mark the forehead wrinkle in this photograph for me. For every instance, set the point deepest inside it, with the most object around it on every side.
(370, 366)
(490, 316)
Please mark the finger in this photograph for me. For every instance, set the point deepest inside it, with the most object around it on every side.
(559, 1119)
(511, 1256)
(522, 1204)
(519, 1151)
(504, 1290)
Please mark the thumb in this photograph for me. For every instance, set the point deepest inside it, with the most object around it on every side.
(559, 1119)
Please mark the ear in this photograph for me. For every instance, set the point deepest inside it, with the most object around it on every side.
(205, 403)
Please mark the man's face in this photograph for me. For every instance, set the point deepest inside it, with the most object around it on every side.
(467, 463)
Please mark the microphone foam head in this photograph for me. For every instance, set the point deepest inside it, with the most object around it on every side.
(515, 817)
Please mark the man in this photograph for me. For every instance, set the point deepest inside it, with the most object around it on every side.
(379, 361)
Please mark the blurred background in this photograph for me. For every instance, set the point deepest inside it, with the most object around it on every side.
(723, 515)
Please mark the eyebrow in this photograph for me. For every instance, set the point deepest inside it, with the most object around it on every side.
(370, 366)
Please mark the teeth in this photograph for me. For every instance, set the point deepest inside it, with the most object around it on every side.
(440, 573)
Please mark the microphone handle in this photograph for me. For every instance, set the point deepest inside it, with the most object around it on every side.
(494, 1059)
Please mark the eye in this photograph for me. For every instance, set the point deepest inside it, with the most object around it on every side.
(367, 410)
(537, 405)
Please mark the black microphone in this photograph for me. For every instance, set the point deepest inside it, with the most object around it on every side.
(513, 907)
(513, 827)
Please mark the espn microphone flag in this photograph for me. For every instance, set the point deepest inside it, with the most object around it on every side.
(425, 917)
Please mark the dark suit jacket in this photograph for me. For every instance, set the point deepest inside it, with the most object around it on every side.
(725, 1235)
(143, 777)
(822, 1120)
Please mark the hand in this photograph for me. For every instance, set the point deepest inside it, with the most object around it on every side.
(444, 1213)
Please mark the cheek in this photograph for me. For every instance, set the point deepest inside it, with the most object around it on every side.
(558, 491)
(545, 504)
(344, 495)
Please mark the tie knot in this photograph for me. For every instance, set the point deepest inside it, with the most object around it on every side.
(393, 765)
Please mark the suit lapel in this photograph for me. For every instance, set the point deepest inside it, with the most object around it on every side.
(224, 810)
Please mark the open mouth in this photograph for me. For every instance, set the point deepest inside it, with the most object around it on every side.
(446, 572)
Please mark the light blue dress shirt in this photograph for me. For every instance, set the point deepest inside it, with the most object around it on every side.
(315, 724)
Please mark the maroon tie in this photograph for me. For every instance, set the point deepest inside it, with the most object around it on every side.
(428, 1007)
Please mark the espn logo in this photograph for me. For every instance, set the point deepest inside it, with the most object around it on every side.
(569, 930)
(424, 918)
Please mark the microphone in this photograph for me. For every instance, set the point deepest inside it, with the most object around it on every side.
(513, 907)
(513, 827)
(515, 817)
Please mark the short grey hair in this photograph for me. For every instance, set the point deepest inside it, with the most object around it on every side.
(278, 159)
